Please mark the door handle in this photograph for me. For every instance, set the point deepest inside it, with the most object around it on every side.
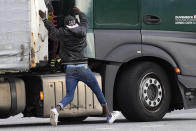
(152, 20)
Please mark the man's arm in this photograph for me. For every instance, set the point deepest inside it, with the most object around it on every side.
(82, 29)
(83, 20)
(53, 32)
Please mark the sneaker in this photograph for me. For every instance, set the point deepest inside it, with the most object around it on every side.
(115, 115)
(54, 117)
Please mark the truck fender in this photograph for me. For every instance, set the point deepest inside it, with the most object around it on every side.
(153, 51)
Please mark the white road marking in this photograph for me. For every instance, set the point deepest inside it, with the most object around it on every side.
(104, 128)
(150, 126)
(183, 114)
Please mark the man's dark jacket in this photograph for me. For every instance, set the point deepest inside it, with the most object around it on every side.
(72, 41)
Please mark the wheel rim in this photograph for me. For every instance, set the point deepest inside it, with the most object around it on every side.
(151, 91)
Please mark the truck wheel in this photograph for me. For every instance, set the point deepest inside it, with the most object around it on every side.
(143, 92)
(72, 119)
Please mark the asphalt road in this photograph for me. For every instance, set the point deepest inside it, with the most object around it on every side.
(184, 120)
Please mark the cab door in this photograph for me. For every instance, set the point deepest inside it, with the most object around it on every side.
(170, 26)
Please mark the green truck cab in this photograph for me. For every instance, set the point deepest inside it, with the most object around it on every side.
(143, 53)
(147, 50)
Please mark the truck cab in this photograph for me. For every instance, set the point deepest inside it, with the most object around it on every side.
(143, 54)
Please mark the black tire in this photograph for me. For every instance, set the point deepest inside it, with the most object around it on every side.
(137, 98)
(72, 119)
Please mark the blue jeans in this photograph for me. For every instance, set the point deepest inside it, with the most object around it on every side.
(76, 73)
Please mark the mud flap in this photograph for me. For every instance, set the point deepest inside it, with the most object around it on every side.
(186, 85)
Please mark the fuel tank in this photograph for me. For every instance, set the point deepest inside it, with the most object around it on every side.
(12, 97)
(47, 90)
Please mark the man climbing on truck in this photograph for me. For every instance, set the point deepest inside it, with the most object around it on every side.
(72, 39)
